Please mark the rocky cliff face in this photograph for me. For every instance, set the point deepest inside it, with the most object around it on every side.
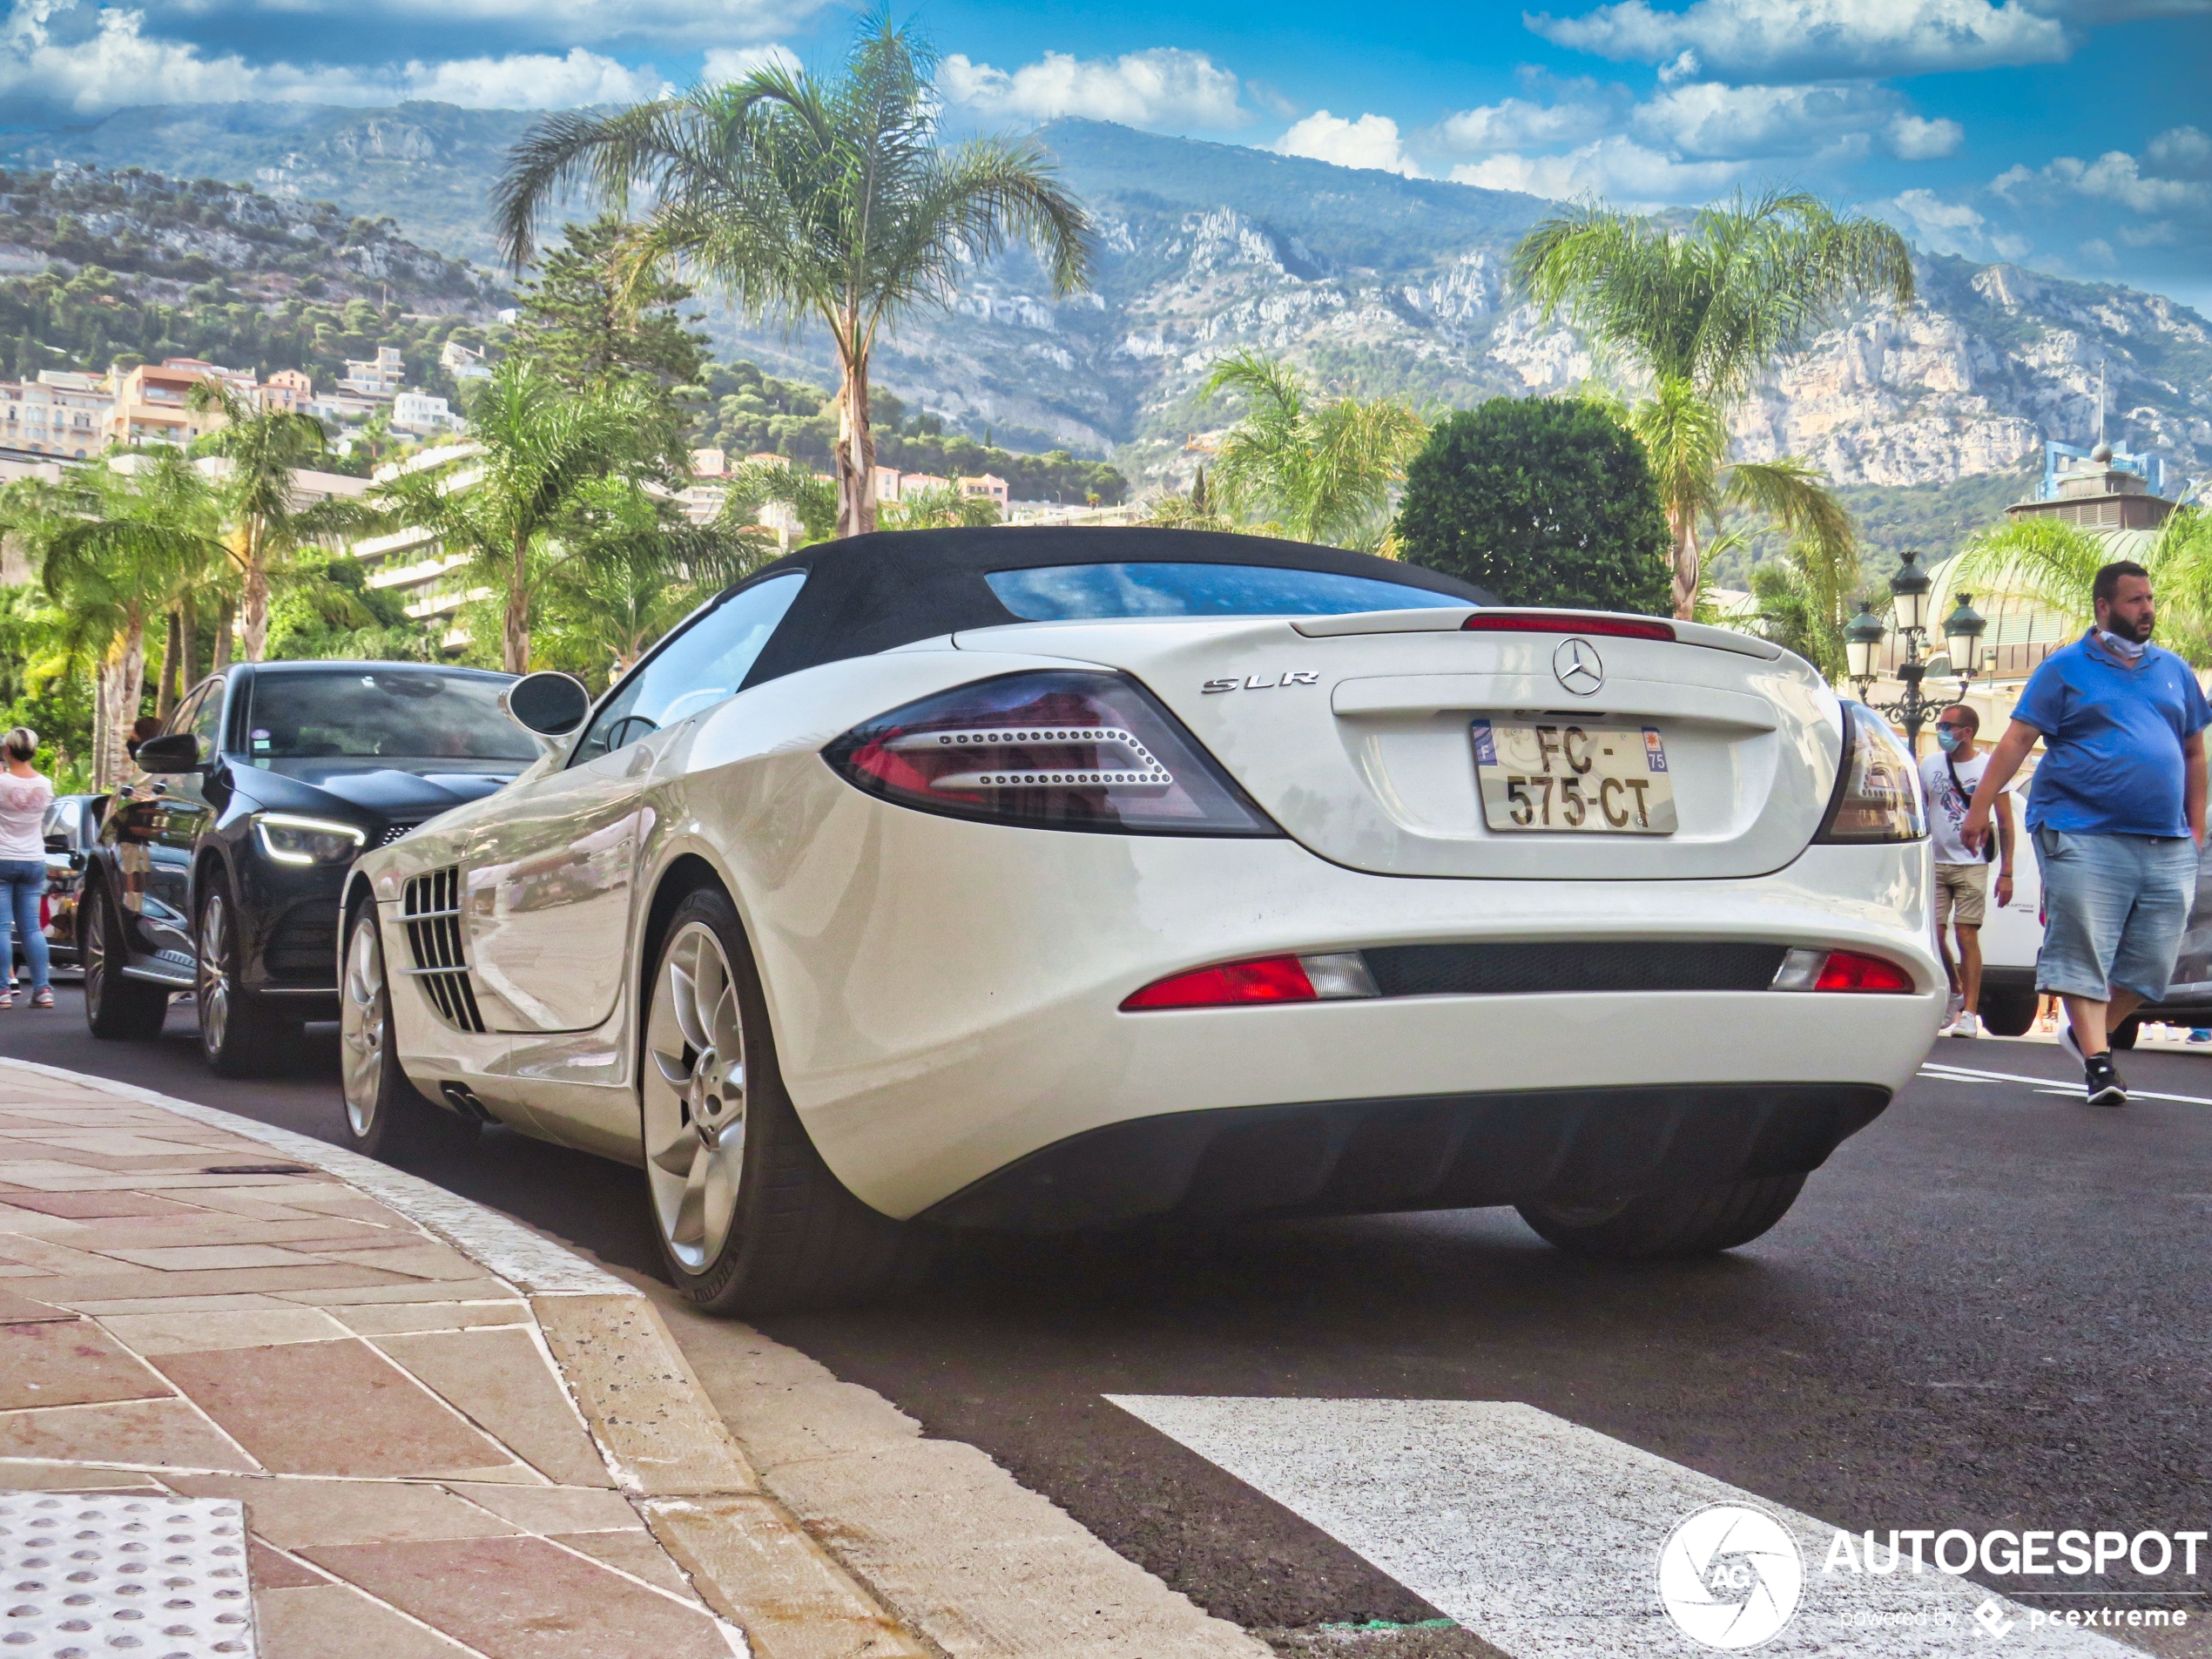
(1967, 382)
(1377, 283)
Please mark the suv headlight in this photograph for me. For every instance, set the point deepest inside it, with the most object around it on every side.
(287, 840)
(1878, 787)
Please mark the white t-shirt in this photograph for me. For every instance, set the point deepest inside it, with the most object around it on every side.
(23, 815)
(1948, 807)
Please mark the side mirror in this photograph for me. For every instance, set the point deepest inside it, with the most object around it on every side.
(57, 843)
(550, 703)
(176, 752)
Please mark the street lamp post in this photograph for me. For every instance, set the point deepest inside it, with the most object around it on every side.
(1962, 632)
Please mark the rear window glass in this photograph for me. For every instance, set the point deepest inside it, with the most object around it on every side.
(1074, 592)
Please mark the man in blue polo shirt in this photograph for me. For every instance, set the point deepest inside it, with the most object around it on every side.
(2117, 813)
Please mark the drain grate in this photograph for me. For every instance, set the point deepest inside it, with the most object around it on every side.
(154, 1578)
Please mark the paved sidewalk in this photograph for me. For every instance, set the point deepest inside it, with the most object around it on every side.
(448, 1436)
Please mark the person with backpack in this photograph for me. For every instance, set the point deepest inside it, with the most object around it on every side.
(1947, 779)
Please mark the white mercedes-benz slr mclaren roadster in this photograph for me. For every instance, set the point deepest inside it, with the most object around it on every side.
(1056, 878)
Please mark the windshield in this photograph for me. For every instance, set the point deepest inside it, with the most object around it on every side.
(382, 713)
(1074, 592)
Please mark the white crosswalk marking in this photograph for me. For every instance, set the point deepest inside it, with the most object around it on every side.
(1543, 1537)
(1943, 1074)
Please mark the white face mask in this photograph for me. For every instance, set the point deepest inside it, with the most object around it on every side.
(2129, 649)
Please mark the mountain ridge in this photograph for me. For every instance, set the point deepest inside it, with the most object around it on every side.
(1373, 282)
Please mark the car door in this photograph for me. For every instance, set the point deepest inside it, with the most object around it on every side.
(552, 875)
(157, 818)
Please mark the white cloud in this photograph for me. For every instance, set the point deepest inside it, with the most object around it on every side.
(1913, 138)
(2114, 177)
(2099, 251)
(2185, 151)
(1747, 39)
(1709, 120)
(530, 81)
(1164, 87)
(735, 62)
(1617, 168)
(64, 56)
(1517, 123)
(1370, 142)
(1944, 227)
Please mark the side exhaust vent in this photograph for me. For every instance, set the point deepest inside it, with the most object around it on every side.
(463, 1100)
(431, 909)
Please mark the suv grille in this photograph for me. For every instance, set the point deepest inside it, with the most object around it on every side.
(431, 911)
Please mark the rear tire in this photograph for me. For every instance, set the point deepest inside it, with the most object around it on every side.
(2009, 1014)
(387, 1116)
(749, 1219)
(239, 1035)
(116, 1009)
(1695, 1222)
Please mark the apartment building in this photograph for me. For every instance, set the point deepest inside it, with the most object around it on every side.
(59, 413)
(383, 377)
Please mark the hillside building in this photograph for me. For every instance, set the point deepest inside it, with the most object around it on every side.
(383, 377)
(2105, 490)
(987, 484)
(58, 414)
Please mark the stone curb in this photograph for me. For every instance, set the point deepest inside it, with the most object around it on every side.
(748, 1558)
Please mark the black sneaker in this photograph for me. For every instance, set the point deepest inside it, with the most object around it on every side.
(2103, 1078)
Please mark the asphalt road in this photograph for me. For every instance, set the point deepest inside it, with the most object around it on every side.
(1989, 1311)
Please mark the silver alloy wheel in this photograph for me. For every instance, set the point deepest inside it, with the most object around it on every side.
(694, 1097)
(213, 990)
(361, 1014)
(95, 926)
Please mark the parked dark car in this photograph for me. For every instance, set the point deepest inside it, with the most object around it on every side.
(72, 824)
(220, 865)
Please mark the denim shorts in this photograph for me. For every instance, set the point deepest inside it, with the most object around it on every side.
(2114, 909)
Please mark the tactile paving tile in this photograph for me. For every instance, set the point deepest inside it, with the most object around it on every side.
(87, 1576)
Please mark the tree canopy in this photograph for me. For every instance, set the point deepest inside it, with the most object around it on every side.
(1541, 501)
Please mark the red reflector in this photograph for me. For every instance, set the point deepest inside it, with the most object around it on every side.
(1846, 970)
(1271, 979)
(1498, 622)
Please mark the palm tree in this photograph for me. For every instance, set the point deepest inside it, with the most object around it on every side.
(264, 450)
(115, 548)
(1702, 315)
(809, 199)
(635, 568)
(939, 508)
(2052, 563)
(1321, 470)
(501, 509)
(815, 501)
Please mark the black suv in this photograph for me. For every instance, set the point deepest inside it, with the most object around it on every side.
(221, 864)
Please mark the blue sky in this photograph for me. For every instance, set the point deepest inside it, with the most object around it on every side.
(2073, 136)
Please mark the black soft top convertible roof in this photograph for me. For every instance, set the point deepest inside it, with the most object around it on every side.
(873, 593)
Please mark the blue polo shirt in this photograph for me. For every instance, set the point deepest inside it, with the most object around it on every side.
(2112, 741)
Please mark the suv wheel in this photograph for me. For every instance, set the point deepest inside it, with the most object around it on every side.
(239, 1035)
(1695, 1222)
(386, 1115)
(115, 1007)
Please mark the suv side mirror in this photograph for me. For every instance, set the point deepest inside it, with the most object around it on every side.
(175, 751)
(552, 705)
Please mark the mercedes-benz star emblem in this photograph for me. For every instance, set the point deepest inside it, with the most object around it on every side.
(1578, 666)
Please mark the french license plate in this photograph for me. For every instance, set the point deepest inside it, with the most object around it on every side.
(1583, 777)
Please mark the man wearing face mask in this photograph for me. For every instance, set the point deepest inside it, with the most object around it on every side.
(2117, 813)
(1947, 779)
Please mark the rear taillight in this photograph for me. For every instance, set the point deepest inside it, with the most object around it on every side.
(1267, 979)
(1878, 794)
(1557, 622)
(1057, 749)
(1839, 970)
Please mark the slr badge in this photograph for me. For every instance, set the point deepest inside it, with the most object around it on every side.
(1578, 667)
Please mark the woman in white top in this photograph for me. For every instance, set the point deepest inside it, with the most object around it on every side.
(25, 793)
